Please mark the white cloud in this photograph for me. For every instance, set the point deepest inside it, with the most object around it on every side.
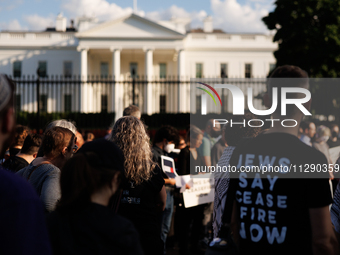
(13, 25)
(231, 16)
(101, 9)
(37, 23)
(228, 15)
(177, 12)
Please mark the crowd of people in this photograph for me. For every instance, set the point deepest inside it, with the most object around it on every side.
(67, 193)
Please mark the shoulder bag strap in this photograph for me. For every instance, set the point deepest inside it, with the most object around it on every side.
(43, 163)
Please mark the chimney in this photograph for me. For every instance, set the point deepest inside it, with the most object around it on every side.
(61, 23)
(208, 25)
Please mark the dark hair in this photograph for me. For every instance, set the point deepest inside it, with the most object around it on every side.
(235, 133)
(305, 125)
(132, 110)
(287, 76)
(289, 71)
(166, 132)
(20, 135)
(31, 144)
(89, 136)
(54, 141)
(90, 169)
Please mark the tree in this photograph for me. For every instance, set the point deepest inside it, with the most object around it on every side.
(308, 34)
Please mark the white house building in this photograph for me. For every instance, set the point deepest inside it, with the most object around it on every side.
(130, 46)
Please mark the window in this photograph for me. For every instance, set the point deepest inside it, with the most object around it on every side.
(18, 103)
(104, 69)
(133, 70)
(43, 103)
(248, 70)
(42, 68)
(17, 69)
(271, 67)
(198, 103)
(68, 69)
(199, 70)
(162, 103)
(67, 103)
(162, 70)
(104, 103)
(224, 71)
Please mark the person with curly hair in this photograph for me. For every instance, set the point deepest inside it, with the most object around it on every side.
(143, 197)
(20, 135)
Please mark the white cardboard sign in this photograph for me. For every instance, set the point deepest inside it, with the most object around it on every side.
(202, 191)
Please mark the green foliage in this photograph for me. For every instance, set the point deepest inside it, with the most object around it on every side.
(308, 34)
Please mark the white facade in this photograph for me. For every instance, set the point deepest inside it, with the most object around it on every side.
(134, 42)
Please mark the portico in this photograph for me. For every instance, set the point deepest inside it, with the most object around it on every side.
(131, 47)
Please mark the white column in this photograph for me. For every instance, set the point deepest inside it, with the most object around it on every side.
(148, 102)
(83, 100)
(117, 95)
(182, 89)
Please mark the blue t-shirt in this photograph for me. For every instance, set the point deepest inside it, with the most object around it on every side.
(22, 225)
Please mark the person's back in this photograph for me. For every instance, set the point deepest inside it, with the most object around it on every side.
(274, 210)
(45, 180)
(93, 230)
(143, 197)
(139, 204)
(58, 145)
(15, 163)
(281, 186)
(82, 222)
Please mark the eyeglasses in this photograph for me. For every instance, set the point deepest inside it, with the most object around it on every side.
(75, 148)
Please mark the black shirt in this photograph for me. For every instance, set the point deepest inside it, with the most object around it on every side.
(273, 211)
(15, 163)
(13, 151)
(94, 230)
(186, 162)
(138, 204)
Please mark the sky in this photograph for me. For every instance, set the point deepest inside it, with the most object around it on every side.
(242, 16)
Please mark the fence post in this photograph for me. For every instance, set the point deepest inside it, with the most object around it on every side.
(133, 90)
(38, 104)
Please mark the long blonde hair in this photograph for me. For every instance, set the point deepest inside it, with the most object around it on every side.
(129, 134)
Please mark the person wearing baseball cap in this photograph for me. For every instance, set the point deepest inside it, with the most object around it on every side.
(82, 222)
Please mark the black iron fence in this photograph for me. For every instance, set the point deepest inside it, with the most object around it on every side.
(106, 97)
(104, 94)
